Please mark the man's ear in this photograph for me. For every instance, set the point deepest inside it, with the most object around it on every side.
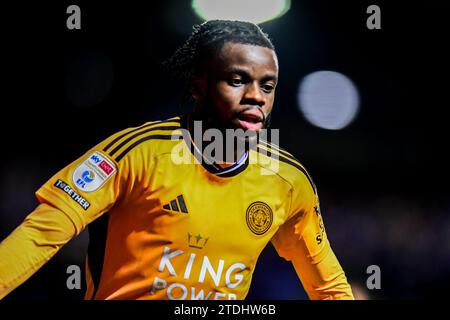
(198, 88)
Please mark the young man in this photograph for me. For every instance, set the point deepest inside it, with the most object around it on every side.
(167, 229)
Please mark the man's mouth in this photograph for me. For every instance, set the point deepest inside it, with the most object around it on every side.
(251, 120)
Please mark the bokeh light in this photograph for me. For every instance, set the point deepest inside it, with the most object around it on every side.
(256, 11)
(328, 99)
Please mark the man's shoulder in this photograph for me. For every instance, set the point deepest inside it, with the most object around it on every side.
(144, 136)
(281, 162)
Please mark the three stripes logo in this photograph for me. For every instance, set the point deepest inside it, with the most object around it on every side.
(176, 205)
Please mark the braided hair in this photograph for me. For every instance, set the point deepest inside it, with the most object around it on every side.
(207, 39)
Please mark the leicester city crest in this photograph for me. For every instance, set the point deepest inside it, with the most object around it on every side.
(259, 217)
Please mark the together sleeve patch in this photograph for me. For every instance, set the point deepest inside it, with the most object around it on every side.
(73, 194)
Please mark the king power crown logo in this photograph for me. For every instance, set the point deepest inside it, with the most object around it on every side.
(197, 241)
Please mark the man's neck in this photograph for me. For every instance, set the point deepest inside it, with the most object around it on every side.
(198, 125)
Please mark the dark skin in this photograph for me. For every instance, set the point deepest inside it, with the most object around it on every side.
(237, 88)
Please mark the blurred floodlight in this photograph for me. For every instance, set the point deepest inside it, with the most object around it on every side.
(256, 11)
(328, 99)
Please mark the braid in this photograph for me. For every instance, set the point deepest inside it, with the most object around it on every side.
(207, 39)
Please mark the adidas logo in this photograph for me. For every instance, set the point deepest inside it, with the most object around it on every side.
(177, 205)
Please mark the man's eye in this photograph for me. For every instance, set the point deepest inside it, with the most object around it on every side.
(235, 82)
(268, 88)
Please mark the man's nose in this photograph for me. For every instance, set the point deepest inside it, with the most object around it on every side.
(253, 95)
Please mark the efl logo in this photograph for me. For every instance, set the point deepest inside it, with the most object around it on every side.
(106, 167)
(93, 173)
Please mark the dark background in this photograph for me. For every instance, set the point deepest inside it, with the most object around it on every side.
(383, 180)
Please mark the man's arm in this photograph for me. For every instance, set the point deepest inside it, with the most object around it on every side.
(304, 242)
(66, 209)
(43, 232)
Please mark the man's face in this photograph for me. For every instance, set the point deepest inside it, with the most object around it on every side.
(237, 90)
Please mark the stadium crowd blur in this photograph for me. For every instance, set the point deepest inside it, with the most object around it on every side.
(382, 180)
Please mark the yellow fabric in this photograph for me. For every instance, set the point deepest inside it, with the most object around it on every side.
(154, 250)
(32, 244)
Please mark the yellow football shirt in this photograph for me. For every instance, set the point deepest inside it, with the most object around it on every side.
(165, 224)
